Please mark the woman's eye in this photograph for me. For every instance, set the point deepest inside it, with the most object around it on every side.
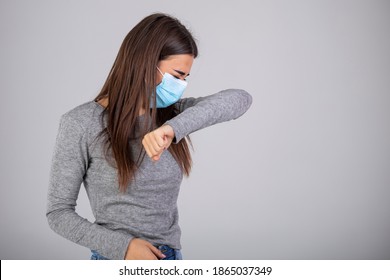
(177, 77)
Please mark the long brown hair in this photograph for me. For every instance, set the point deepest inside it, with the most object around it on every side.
(131, 85)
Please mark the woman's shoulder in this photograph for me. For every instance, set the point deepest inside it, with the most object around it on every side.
(87, 115)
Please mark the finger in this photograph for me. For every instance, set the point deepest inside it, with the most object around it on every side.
(151, 152)
(146, 147)
(166, 142)
(151, 256)
(157, 148)
(148, 143)
(158, 143)
(157, 252)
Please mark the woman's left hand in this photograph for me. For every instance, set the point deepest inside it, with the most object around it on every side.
(157, 141)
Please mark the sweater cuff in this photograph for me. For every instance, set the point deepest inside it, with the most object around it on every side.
(179, 128)
(116, 247)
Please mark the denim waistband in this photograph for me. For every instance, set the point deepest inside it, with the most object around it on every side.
(169, 252)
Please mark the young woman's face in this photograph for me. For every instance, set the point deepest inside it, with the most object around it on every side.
(178, 66)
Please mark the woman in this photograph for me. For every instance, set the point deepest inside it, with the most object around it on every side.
(102, 144)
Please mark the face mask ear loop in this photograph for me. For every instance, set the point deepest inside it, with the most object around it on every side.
(160, 71)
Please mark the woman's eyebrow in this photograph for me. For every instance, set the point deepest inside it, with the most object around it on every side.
(181, 73)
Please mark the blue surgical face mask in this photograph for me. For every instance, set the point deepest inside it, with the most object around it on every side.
(169, 91)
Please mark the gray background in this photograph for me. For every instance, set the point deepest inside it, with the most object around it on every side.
(304, 174)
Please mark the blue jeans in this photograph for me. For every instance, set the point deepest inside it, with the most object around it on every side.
(170, 253)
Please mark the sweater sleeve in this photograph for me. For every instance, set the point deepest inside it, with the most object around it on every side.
(201, 112)
(68, 167)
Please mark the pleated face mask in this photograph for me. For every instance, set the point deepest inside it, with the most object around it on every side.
(169, 91)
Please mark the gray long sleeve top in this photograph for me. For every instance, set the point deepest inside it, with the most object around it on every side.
(148, 209)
